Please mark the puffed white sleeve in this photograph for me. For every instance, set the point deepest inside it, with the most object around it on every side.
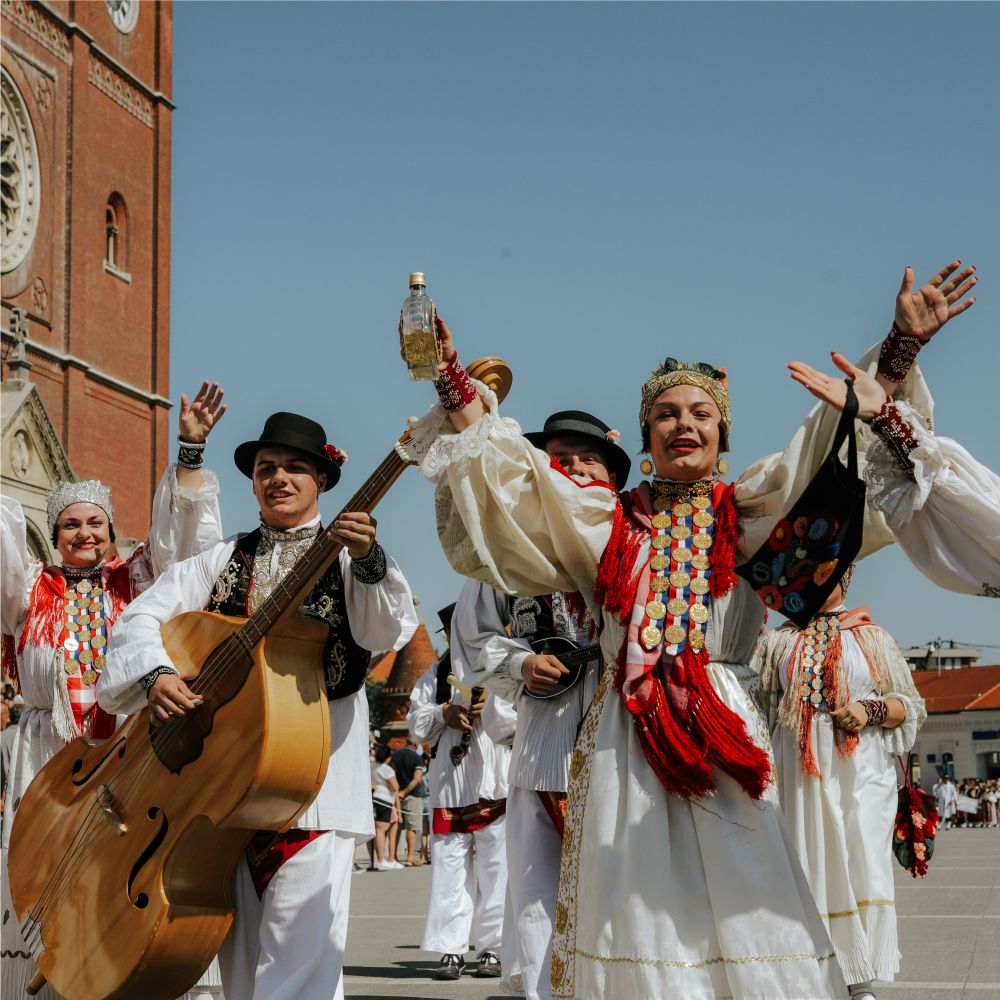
(899, 739)
(135, 647)
(425, 718)
(504, 515)
(482, 652)
(20, 570)
(381, 612)
(944, 510)
(766, 491)
(185, 523)
(499, 720)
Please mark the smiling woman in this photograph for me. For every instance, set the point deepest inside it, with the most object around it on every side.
(677, 875)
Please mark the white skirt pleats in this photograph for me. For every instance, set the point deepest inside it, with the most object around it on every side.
(663, 898)
(842, 829)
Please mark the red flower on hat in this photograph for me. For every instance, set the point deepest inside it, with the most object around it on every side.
(335, 454)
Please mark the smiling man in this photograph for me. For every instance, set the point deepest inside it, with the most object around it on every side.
(292, 891)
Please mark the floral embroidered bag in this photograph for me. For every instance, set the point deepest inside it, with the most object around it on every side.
(810, 549)
(915, 827)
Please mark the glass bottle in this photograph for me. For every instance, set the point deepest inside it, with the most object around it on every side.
(418, 331)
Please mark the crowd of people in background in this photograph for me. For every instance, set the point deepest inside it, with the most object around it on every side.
(400, 795)
(972, 802)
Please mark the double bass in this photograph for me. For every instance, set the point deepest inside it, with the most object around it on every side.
(122, 852)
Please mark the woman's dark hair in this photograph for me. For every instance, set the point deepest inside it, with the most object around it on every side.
(723, 438)
(382, 753)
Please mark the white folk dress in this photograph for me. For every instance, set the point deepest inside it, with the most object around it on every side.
(184, 523)
(469, 874)
(944, 512)
(288, 945)
(659, 897)
(841, 821)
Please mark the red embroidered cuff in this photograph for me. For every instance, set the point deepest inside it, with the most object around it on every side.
(899, 350)
(454, 387)
(877, 709)
(890, 425)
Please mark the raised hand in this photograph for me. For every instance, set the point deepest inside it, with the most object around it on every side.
(197, 419)
(923, 312)
(833, 390)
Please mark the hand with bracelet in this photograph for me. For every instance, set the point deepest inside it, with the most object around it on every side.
(195, 422)
(455, 389)
(885, 713)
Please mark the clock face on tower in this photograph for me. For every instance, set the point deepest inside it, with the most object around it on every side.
(123, 13)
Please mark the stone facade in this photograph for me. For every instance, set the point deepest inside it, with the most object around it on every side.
(86, 218)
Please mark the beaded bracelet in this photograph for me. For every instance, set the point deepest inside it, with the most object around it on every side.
(899, 350)
(190, 455)
(877, 709)
(891, 426)
(370, 569)
(146, 682)
(454, 387)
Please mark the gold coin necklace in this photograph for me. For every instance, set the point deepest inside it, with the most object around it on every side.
(679, 600)
(819, 634)
(86, 630)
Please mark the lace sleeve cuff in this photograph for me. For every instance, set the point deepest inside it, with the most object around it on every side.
(896, 434)
(370, 569)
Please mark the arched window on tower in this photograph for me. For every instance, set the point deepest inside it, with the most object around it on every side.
(116, 238)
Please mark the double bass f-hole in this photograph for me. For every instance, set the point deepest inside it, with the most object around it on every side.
(141, 900)
(113, 746)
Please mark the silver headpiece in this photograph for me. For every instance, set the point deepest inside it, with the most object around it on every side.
(84, 491)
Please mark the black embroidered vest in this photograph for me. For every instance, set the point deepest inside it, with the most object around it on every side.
(345, 662)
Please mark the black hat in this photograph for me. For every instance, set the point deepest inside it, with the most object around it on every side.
(290, 430)
(586, 425)
(445, 615)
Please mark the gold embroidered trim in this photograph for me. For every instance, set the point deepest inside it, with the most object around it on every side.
(862, 903)
(564, 939)
(671, 964)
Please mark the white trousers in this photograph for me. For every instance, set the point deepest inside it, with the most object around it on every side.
(290, 944)
(534, 849)
(467, 901)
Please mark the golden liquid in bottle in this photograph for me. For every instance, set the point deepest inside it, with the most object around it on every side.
(421, 355)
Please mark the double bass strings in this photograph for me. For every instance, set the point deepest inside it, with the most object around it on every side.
(220, 662)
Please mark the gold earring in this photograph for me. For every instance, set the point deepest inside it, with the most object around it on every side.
(723, 466)
(646, 467)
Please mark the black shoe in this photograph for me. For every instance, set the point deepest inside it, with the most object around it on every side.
(489, 966)
(450, 967)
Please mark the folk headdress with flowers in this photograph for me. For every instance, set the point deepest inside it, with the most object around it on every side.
(673, 372)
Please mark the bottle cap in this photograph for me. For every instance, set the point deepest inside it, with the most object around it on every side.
(418, 278)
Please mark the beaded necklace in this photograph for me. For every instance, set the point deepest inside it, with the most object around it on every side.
(677, 607)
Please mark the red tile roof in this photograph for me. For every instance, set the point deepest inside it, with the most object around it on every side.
(959, 689)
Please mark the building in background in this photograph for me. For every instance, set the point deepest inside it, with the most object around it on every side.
(961, 736)
(86, 136)
(942, 654)
(401, 671)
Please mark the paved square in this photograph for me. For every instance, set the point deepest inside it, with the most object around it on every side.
(949, 929)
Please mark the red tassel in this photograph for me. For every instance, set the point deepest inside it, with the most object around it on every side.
(617, 576)
(8, 659)
(723, 733)
(724, 539)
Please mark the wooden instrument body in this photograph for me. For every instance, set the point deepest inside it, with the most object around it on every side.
(154, 903)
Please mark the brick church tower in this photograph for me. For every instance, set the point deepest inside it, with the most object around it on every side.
(86, 135)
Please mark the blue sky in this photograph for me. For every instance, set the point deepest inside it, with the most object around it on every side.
(589, 187)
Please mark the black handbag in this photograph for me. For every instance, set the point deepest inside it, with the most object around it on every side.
(811, 548)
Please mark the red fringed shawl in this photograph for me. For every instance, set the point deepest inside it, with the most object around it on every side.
(683, 726)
